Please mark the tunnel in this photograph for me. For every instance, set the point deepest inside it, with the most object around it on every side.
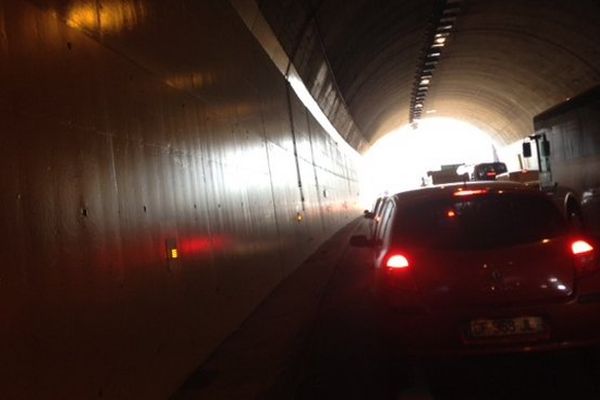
(166, 165)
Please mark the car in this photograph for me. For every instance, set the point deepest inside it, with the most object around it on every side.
(374, 215)
(590, 208)
(488, 171)
(486, 267)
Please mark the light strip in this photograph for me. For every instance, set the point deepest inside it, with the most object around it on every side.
(255, 22)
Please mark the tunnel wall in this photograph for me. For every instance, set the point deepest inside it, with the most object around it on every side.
(128, 127)
(294, 24)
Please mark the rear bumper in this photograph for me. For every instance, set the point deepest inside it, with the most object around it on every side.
(443, 332)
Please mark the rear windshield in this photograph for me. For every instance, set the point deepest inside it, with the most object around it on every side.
(480, 221)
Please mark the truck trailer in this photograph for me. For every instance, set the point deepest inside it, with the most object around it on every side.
(568, 147)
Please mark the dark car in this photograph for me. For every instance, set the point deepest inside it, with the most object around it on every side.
(484, 267)
(488, 171)
(375, 214)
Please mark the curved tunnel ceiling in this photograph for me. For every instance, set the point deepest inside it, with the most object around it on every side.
(505, 61)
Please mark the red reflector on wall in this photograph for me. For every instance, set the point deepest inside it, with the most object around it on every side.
(397, 261)
(581, 247)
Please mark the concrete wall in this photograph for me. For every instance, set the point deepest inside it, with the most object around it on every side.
(126, 125)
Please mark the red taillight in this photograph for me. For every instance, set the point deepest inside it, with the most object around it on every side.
(470, 192)
(586, 260)
(581, 247)
(397, 261)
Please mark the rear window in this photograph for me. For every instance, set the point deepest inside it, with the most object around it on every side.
(480, 221)
(481, 170)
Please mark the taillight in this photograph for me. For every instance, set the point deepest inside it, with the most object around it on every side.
(581, 247)
(398, 270)
(397, 261)
(586, 257)
(469, 192)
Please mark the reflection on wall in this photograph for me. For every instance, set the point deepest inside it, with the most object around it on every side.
(192, 80)
(146, 213)
(106, 16)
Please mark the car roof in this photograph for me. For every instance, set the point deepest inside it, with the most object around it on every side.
(447, 190)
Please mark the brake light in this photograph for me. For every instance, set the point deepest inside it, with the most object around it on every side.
(397, 261)
(586, 260)
(491, 174)
(581, 247)
(470, 192)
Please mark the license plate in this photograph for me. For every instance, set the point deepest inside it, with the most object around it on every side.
(483, 328)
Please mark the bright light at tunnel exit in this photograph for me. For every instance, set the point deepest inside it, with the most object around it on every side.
(400, 160)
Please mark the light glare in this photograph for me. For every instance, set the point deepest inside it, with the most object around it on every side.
(400, 160)
(580, 247)
(397, 261)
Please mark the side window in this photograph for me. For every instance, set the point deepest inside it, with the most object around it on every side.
(380, 221)
(388, 225)
(384, 224)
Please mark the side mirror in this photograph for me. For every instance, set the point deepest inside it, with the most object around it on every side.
(526, 149)
(360, 241)
(369, 214)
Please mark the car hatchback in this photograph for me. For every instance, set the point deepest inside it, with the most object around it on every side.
(484, 268)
